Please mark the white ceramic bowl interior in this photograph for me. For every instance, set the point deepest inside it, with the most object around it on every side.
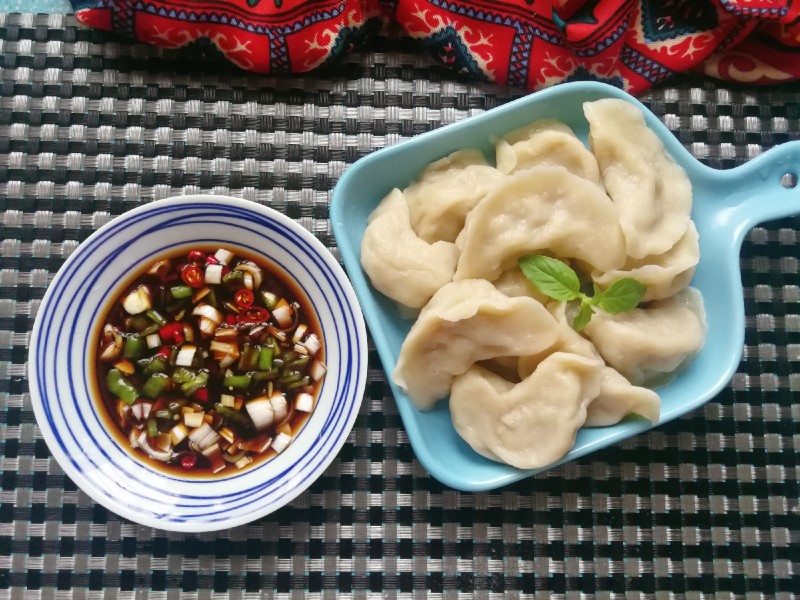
(61, 370)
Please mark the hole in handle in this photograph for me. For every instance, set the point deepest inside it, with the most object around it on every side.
(789, 181)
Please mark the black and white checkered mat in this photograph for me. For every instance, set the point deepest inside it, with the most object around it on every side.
(705, 506)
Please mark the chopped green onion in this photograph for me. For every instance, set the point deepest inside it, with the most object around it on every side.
(304, 402)
(281, 442)
(312, 344)
(213, 274)
(153, 341)
(163, 414)
(224, 256)
(317, 370)
(138, 301)
(186, 355)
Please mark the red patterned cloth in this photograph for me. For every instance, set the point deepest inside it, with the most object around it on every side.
(530, 44)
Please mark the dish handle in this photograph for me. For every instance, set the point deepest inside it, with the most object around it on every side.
(763, 189)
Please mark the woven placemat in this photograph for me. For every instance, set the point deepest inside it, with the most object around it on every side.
(705, 506)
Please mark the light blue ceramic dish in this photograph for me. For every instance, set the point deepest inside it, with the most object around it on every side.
(727, 204)
(61, 370)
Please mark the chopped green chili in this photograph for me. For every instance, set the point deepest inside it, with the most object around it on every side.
(119, 385)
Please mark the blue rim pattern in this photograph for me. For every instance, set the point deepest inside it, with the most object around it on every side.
(340, 337)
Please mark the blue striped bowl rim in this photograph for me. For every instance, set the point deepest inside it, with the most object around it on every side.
(60, 373)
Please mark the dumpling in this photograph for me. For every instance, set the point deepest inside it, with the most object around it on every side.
(569, 341)
(467, 321)
(545, 142)
(439, 200)
(514, 283)
(530, 424)
(526, 132)
(504, 366)
(398, 263)
(617, 396)
(653, 193)
(540, 209)
(646, 345)
(665, 274)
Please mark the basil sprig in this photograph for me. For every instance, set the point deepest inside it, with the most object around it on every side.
(557, 280)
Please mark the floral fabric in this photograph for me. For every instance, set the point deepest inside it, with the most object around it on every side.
(530, 44)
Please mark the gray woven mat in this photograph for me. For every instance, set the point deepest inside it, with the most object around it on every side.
(705, 506)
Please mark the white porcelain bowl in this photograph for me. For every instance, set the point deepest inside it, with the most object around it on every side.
(61, 372)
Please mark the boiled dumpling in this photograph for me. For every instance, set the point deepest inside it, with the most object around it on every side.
(545, 142)
(540, 209)
(514, 283)
(504, 366)
(464, 322)
(617, 396)
(665, 274)
(653, 194)
(569, 341)
(530, 424)
(526, 132)
(398, 263)
(439, 200)
(648, 344)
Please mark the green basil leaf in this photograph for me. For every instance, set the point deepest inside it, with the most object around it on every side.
(598, 295)
(551, 277)
(623, 295)
(583, 317)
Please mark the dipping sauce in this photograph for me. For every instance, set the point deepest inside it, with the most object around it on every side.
(208, 363)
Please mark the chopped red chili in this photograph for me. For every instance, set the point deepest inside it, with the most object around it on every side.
(201, 395)
(196, 256)
(254, 314)
(211, 260)
(172, 333)
(192, 276)
(244, 298)
(188, 461)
